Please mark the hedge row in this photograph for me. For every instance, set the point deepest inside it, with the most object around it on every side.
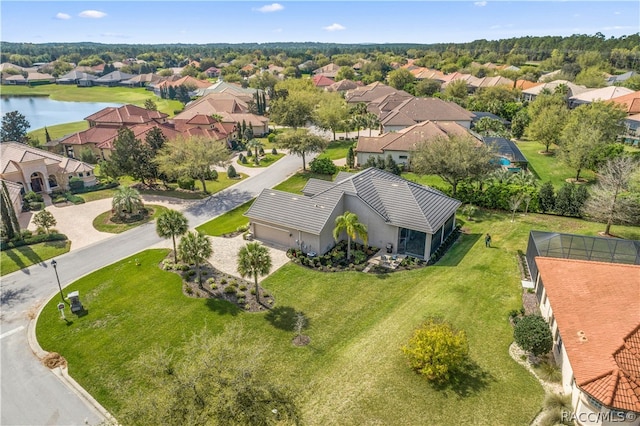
(35, 239)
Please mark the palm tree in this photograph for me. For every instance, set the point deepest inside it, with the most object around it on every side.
(254, 259)
(171, 223)
(255, 144)
(372, 121)
(126, 200)
(349, 223)
(195, 248)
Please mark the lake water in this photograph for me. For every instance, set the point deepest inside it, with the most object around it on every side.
(42, 111)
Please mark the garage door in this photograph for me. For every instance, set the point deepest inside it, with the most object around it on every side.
(272, 235)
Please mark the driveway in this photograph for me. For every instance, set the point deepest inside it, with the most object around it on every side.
(30, 394)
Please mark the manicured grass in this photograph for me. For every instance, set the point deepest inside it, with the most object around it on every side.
(297, 182)
(98, 195)
(353, 372)
(103, 223)
(226, 223)
(21, 257)
(549, 167)
(337, 149)
(428, 180)
(265, 161)
(124, 95)
(59, 130)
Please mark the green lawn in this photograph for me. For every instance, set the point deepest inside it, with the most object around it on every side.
(429, 180)
(549, 167)
(337, 149)
(353, 372)
(22, 257)
(226, 223)
(124, 95)
(296, 182)
(265, 161)
(59, 130)
(103, 223)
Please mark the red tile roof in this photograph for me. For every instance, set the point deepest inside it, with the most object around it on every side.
(597, 308)
(322, 81)
(631, 102)
(140, 132)
(187, 81)
(125, 115)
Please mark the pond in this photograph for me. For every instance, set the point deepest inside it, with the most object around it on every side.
(42, 111)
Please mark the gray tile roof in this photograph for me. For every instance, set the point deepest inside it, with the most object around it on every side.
(315, 186)
(295, 211)
(399, 201)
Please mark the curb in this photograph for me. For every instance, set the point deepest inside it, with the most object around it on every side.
(62, 372)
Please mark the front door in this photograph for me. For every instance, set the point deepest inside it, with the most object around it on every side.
(36, 183)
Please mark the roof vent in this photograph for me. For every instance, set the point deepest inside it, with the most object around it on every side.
(582, 337)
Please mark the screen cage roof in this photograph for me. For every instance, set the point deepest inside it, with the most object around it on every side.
(582, 247)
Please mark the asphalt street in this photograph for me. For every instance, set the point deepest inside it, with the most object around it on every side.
(30, 393)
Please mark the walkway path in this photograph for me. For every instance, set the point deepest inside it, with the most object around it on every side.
(30, 394)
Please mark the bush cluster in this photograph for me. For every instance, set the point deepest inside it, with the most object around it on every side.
(323, 166)
(444, 247)
(28, 238)
(186, 183)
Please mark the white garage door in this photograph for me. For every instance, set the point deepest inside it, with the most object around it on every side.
(272, 235)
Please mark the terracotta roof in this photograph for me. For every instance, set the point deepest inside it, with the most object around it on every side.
(342, 86)
(407, 139)
(95, 134)
(525, 84)
(140, 132)
(186, 80)
(125, 115)
(630, 101)
(416, 110)
(597, 308)
(321, 80)
(369, 92)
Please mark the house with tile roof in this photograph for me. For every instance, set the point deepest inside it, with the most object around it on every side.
(409, 218)
(112, 79)
(608, 93)
(38, 170)
(368, 93)
(630, 102)
(330, 70)
(321, 81)
(78, 78)
(15, 192)
(416, 110)
(572, 89)
(400, 144)
(342, 86)
(593, 310)
(191, 82)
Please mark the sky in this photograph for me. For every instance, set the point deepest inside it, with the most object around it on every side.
(201, 22)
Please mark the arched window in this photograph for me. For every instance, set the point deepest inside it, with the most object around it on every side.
(53, 182)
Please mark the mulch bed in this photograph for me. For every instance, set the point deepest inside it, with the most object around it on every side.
(219, 285)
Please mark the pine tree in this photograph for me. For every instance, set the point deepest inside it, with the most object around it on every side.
(351, 160)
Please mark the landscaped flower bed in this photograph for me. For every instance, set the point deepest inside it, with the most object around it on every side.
(219, 285)
(335, 259)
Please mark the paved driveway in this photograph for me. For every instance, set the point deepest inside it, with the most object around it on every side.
(30, 394)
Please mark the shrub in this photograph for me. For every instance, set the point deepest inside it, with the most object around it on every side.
(274, 151)
(271, 137)
(212, 175)
(186, 182)
(214, 286)
(532, 334)
(223, 281)
(33, 197)
(28, 238)
(76, 184)
(249, 153)
(359, 256)
(243, 287)
(436, 350)
(230, 289)
(36, 206)
(231, 172)
(244, 160)
(323, 166)
(261, 151)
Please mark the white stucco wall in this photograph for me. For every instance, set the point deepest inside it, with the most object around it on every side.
(380, 233)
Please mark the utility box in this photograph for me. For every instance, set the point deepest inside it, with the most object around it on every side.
(389, 248)
(74, 299)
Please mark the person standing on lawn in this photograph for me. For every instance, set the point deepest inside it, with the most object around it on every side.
(487, 240)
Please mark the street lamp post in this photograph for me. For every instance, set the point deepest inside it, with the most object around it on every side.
(55, 264)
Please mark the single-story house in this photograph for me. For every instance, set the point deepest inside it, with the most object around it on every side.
(330, 70)
(602, 94)
(572, 89)
(321, 81)
(618, 79)
(405, 217)
(630, 102)
(416, 110)
(400, 144)
(342, 86)
(112, 79)
(39, 170)
(78, 78)
(593, 311)
(36, 78)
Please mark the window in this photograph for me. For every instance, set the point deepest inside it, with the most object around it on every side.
(80, 174)
(594, 402)
(403, 157)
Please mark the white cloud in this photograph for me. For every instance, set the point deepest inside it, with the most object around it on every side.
(277, 30)
(61, 15)
(334, 27)
(94, 14)
(617, 13)
(274, 7)
(480, 3)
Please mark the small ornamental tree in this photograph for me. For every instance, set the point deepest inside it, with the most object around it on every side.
(547, 198)
(44, 219)
(532, 334)
(231, 172)
(436, 350)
